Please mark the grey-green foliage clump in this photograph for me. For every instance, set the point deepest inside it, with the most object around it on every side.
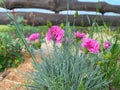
(66, 69)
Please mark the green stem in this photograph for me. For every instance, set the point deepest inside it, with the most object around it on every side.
(21, 35)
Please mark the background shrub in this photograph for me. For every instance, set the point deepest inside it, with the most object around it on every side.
(10, 51)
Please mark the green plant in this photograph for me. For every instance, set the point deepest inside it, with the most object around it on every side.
(113, 70)
(10, 52)
(109, 58)
(116, 79)
(65, 70)
(71, 67)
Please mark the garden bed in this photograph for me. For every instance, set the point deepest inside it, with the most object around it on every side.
(14, 80)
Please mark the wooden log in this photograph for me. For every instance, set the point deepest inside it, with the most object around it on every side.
(42, 19)
(45, 4)
(61, 5)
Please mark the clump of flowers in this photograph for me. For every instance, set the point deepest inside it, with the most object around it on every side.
(91, 45)
(106, 44)
(55, 33)
(68, 57)
(79, 36)
(34, 40)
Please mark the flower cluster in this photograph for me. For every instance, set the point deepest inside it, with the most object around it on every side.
(34, 40)
(91, 45)
(80, 35)
(55, 33)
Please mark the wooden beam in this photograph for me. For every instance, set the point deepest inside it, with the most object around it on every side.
(42, 19)
(61, 5)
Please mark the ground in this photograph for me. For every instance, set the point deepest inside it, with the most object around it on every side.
(14, 79)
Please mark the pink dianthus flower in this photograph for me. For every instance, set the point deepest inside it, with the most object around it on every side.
(91, 45)
(33, 37)
(106, 45)
(80, 35)
(55, 33)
